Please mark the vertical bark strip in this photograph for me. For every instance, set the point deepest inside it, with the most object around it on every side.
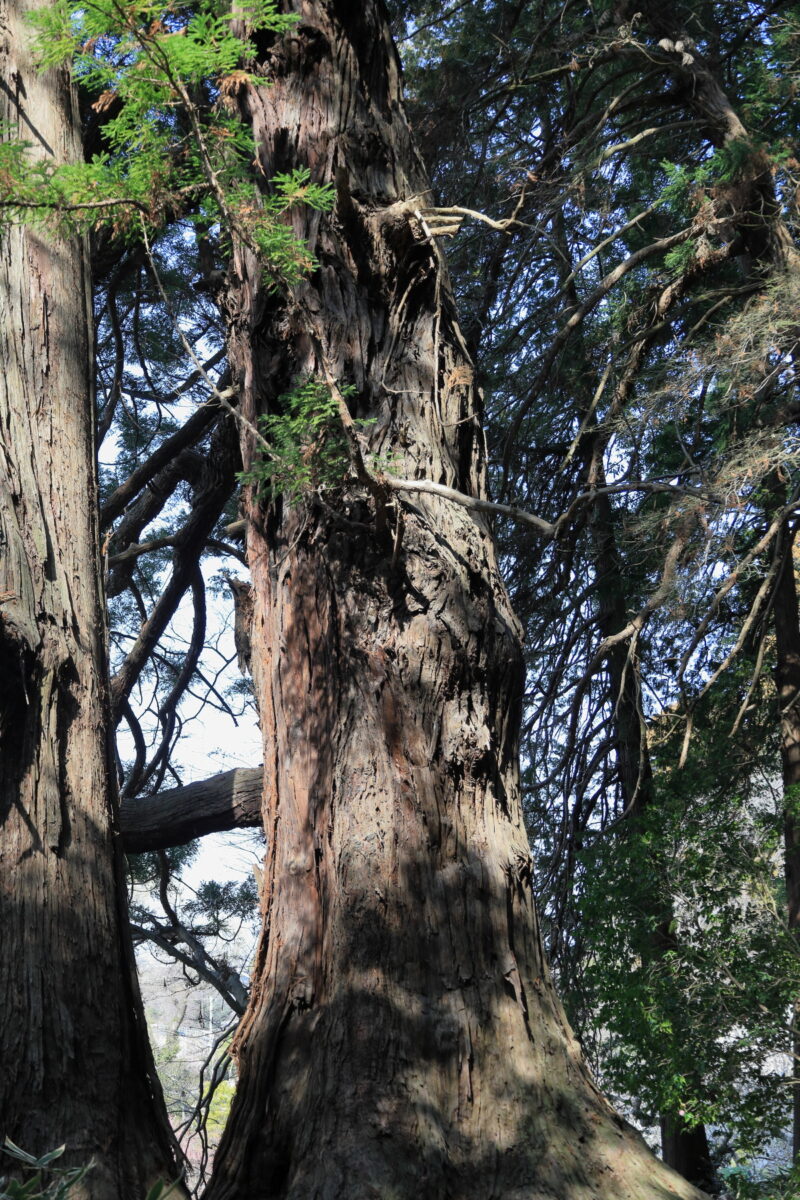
(75, 1067)
(403, 1038)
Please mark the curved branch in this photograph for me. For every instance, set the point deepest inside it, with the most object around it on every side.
(190, 433)
(661, 246)
(472, 502)
(229, 986)
(168, 709)
(209, 504)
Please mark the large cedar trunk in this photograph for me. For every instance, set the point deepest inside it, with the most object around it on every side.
(74, 1061)
(403, 1038)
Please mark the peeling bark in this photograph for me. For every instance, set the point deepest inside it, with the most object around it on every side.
(402, 1038)
(75, 1063)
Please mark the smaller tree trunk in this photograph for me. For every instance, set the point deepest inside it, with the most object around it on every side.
(75, 1066)
(787, 650)
(685, 1148)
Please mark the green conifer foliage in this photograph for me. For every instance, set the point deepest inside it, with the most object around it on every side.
(162, 80)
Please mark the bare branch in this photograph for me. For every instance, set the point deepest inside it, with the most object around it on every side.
(190, 433)
(472, 502)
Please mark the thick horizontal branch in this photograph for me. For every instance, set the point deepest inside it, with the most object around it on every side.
(236, 529)
(58, 206)
(230, 800)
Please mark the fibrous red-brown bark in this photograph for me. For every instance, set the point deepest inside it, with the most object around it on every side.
(403, 1038)
(75, 1065)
